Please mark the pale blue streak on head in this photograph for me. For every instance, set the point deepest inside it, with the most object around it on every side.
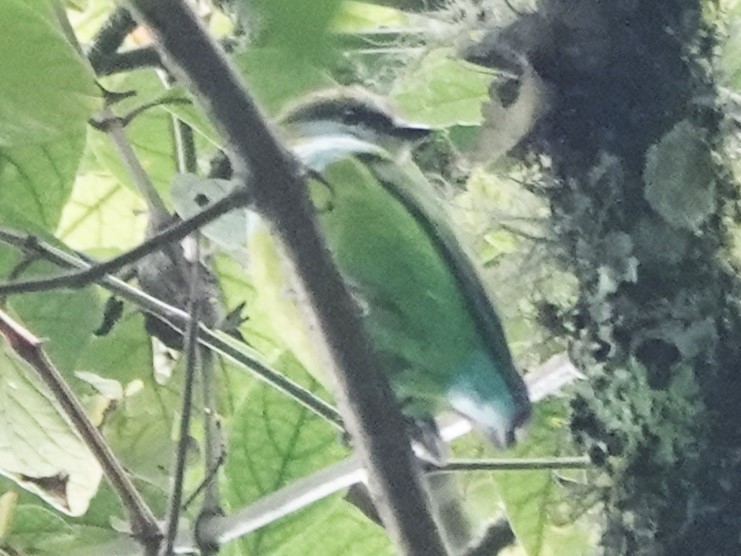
(322, 150)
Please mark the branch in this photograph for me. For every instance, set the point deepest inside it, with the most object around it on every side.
(519, 464)
(283, 502)
(280, 195)
(178, 319)
(92, 273)
(143, 523)
(191, 360)
(109, 38)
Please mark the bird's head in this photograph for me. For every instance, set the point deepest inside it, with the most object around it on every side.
(354, 113)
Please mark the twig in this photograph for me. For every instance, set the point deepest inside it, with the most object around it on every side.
(128, 60)
(185, 153)
(286, 501)
(114, 126)
(515, 464)
(280, 195)
(177, 318)
(239, 197)
(110, 37)
(191, 359)
(143, 523)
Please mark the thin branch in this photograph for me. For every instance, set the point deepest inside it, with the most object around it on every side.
(515, 464)
(185, 153)
(280, 195)
(325, 482)
(128, 60)
(110, 37)
(114, 126)
(219, 343)
(143, 522)
(285, 501)
(236, 199)
(191, 360)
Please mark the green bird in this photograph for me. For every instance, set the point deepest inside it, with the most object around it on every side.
(433, 326)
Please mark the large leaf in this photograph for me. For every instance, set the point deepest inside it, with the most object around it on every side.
(39, 531)
(39, 449)
(48, 91)
(298, 26)
(273, 442)
(36, 179)
(139, 427)
(66, 319)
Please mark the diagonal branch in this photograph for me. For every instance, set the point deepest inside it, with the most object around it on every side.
(279, 194)
(92, 273)
(28, 347)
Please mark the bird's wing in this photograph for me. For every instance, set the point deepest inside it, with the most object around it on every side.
(409, 186)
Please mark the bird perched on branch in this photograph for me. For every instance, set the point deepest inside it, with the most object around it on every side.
(434, 328)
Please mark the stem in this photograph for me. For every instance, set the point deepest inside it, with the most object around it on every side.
(191, 359)
(113, 126)
(516, 464)
(91, 273)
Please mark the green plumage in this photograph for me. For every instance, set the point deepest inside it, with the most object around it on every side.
(435, 331)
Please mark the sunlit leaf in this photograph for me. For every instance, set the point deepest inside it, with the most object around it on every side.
(102, 214)
(359, 16)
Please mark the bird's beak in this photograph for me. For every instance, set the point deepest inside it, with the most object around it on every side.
(411, 132)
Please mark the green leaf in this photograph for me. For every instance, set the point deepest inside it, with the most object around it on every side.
(36, 180)
(39, 449)
(139, 429)
(443, 91)
(273, 88)
(48, 91)
(65, 319)
(38, 531)
(356, 17)
(273, 442)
